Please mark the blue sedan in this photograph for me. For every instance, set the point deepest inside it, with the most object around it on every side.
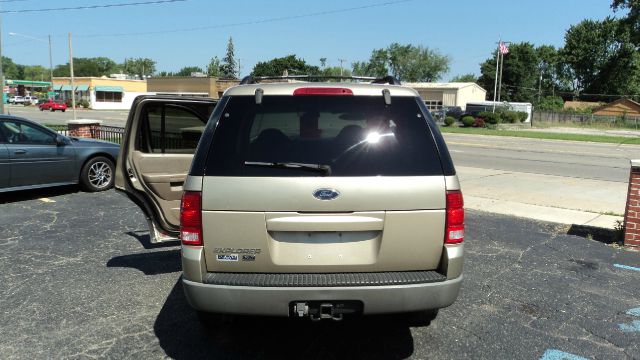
(33, 156)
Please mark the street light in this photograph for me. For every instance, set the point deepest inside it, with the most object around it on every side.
(44, 41)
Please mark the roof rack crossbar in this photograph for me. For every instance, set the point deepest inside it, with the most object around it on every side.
(374, 80)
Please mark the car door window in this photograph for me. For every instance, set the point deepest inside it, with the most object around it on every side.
(21, 133)
(172, 128)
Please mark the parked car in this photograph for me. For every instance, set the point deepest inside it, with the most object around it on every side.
(316, 200)
(33, 156)
(30, 100)
(52, 106)
(16, 100)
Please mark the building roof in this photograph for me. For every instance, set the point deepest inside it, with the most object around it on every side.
(620, 107)
(581, 105)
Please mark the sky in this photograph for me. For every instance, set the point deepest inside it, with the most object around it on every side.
(189, 33)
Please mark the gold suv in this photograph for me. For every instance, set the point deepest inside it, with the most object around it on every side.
(299, 198)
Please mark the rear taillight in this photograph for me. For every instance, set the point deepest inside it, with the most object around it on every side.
(322, 91)
(191, 218)
(454, 230)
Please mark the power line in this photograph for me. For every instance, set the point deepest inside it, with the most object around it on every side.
(253, 22)
(154, 2)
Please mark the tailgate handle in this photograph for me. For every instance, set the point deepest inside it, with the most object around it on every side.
(325, 223)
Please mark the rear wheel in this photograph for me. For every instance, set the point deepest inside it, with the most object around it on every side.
(63, 110)
(97, 174)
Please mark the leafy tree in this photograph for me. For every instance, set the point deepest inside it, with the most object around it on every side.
(213, 69)
(632, 20)
(290, 63)
(188, 70)
(377, 65)
(554, 103)
(405, 62)
(465, 78)
(335, 71)
(323, 62)
(600, 58)
(228, 69)
(10, 69)
(519, 73)
(98, 66)
(140, 67)
(34, 72)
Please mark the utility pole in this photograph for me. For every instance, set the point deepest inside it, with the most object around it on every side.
(50, 65)
(500, 79)
(73, 85)
(341, 61)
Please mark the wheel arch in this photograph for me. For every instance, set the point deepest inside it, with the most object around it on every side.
(93, 156)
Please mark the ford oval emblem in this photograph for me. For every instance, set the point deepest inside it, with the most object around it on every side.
(325, 194)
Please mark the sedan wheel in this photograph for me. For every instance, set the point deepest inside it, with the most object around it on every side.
(97, 174)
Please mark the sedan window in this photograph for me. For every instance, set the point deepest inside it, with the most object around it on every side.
(21, 133)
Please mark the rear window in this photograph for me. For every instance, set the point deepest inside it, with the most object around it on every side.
(350, 135)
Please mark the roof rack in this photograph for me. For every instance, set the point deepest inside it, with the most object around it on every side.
(374, 80)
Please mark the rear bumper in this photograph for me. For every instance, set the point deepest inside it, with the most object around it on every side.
(274, 301)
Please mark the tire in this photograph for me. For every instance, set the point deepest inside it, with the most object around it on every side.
(97, 174)
(63, 110)
(41, 109)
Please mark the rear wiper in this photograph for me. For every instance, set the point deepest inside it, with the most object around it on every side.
(321, 168)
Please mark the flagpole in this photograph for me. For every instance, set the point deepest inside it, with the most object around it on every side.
(500, 79)
(495, 86)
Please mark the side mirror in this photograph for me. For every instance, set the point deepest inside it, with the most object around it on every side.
(61, 140)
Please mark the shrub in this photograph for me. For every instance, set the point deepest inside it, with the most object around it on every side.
(468, 120)
(83, 103)
(522, 115)
(510, 117)
(449, 120)
(478, 122)
(490, 118)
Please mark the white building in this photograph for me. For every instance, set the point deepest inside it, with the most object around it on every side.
(438, 95)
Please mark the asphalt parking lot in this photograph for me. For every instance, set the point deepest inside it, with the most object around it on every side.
(79, 279)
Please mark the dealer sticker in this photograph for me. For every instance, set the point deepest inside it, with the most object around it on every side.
(227, 257)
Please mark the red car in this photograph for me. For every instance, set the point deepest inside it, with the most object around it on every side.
(53, 106)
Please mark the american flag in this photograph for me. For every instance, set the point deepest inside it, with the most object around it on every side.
(503, 48)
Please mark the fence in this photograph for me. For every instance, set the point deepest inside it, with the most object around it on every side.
(563, 118)
(101, 132)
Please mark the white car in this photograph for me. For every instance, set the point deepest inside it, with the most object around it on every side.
(16, 100)
(30, 100)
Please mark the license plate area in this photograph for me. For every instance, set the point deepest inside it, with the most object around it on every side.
(325, 310)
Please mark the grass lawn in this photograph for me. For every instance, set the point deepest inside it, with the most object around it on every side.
(543, 135)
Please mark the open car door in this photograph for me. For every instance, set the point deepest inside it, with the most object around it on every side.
(160, 139)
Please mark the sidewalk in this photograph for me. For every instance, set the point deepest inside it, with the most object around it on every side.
(544, 197)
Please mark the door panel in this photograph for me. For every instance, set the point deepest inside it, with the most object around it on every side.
(160, 139)
(35, 157)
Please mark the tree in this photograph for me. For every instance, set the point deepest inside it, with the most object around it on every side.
(34, 72)
(228, 68)
(140, 67)
(290, 63)
(600, 58)
(10, 69)
(465, 78)
(98, 66)
(213, 69)
(188, 70)
(335, 71)
(632, 21)
(520, 73)
(405, 62)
